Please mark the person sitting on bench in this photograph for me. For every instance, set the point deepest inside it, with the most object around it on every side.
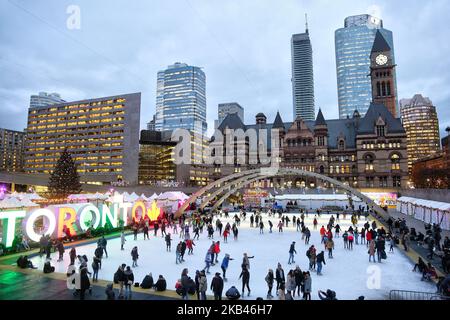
(48, 268)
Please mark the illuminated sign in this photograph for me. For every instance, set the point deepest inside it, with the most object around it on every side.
(77, 218)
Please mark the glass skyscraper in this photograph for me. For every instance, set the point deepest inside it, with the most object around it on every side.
(181, 99)
(353, 45)
(302, 76)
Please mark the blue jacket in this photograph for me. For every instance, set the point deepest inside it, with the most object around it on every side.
(225, 262)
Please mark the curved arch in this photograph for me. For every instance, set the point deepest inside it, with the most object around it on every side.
(220, 190)
(271, 172)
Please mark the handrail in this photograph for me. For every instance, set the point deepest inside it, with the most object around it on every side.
(415, 295)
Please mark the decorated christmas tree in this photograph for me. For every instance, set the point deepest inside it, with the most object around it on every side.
(64, 180)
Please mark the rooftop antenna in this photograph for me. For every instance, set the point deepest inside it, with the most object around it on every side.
(306, 23)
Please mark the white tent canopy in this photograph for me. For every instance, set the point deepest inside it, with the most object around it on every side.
(426, 210)
(14, 202)
(316, 201)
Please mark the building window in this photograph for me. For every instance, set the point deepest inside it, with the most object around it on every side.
(388, 85)
(378, 89)
(396, 181)
(369, 182)
(380, 131)
(322, 169)
(369, 159)
(395, 162)
(321, 141)
(341, 144)
(383, 182)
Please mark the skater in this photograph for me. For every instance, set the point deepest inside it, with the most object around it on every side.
(207, 261)
(269, 280)
(202, 285)
(280, 226)
(246, 261)
(380, 246)
(146, 231)
(168, 242)
(261, 227)
(270, 226)
(122, 240)
(216, 252)
(155, 228)
(129, 281)
(299, 278)
(163, 229)
(290, 284)
(235, 231)
(363, 236)
(119, 278)
(183, 250)
(245, 275)
(307, 235)
(307, 286)
(135, 256)
(337, 230)
(330, 246)
(60, 248)
(345, 237)
(103, 243)
(279, 276)
(320, 260)
(315, 223)
(95, 268)
(371, 251)
(391, 243)
(292, 251)
(217, 286)
(178, 253)
(350, 241)
(196, 233)
(48, 249)
(224, 265)
(311, 254)
(135, 231)
(190, 245)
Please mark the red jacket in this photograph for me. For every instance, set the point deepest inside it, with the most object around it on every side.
(322, 231)
(369, 236)
(216, 248)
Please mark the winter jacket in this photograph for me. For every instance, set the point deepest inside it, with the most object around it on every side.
(134, 254)
(225, 262)
(298, 275)
(216, 248)
(290, 283)
(84, 280)
(147, 283)
(330, 244)
(321, 258)
(161, 285)
(307, 285)
(279, 275)
(292, 249)
(203, 284)
(129, 277)
(372, 248)
(269, 279)
(245, 275)
(217, 285)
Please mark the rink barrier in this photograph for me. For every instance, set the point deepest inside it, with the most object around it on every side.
(415, 295)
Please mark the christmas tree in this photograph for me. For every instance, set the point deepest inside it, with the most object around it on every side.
(64, 180)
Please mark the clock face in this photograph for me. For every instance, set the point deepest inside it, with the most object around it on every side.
(381, 59)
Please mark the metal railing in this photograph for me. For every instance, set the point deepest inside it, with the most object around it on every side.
(415, 295)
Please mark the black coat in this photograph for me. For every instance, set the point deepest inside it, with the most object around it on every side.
(279, 275)
(245, 275)
(320, 258)
(161, 285)
(217, 284)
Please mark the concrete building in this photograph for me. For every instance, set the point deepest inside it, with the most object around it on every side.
(225, 109)
(101, 134)
(11, 150)
(420, 120)
(353, 45)
(45, 99)
(302, 76)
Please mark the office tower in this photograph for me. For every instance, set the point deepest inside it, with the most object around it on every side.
(45, 99)
(11, 150)
(101, 134)
(151, 124)
(302, 76)
(421, 123)
(225, 109)
(181, 99)
(353, 45)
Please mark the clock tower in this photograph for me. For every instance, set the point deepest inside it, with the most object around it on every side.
(382, 73)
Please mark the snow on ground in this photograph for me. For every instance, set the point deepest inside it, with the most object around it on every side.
(348, 273)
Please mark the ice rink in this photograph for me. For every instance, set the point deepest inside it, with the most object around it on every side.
(349, 273)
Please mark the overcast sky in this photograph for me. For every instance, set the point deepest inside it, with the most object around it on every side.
(243, 46)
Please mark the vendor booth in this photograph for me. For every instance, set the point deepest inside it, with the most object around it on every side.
(426, 210)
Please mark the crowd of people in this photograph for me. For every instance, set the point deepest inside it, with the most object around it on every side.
(296, 283)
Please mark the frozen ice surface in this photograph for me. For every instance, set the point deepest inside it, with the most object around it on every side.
(348, 273)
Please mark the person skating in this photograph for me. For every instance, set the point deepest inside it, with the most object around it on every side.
(216, 252)
(320, 260)
(270, 226)
(168, 240)
(217, 286)
(183, 250)
(391, 244)
(134, 256)
(48, 249)
(290, 283)
(203, 285)
(72, 255)
(269, 280)
(292, 251)
(261, 227)
(307, 235)
(371, 250)
(224, 265)
(380, 246)
(208, 261)
(135, 231)
(95, 268)
(246, 260)
(235, 231)
(280, 226)
(155, 228)
(190, 246)
(315, 223)
(299, 278)
(307, 286)
(330, 246)
(345, 238)
(122, 240)
(279, 276)
(245, 275)
(311, 254)
(178, 253)
(350, 239)
(103, 243)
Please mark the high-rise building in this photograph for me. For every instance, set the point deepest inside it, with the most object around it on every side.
(225, 109)
(151, 124)
(181, 99)
(156, 161)
(11, 150)
(45, 99)
(419, 118)
(302, 76)
(353, 45)
(101, 134)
